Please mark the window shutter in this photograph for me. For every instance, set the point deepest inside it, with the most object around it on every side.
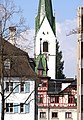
(15, 108)
(27, 87)
(27, 108)
(16, 90)
(0, 108)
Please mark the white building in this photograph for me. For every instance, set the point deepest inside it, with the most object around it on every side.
(19, 84)
(45, 35)
(80, 63)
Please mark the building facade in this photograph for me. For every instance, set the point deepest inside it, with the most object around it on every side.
(54, 103)
(19, 84)
(80, 63)
(45, 33)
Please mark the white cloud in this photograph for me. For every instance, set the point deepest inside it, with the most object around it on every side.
(68, 46)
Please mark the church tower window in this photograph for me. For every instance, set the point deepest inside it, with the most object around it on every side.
(45, 46)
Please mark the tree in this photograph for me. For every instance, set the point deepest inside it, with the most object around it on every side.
(59, 63)
(7, 12)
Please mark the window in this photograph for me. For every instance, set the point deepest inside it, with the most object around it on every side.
(19, 87)
(40, 98)
(54, 115)
(45, 46)
(16, 108)
(9, 107)
(57, 99)
(52, 99)
(70, 99)
(68, 115)
(7, 64)
(44, 85)
(9, 86)
(22, 87)
(21, 107)
(42, 114)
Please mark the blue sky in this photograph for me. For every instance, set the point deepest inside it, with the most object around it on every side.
(64, 9)
(66, 15)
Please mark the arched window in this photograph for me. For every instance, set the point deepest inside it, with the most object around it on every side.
(45, 46)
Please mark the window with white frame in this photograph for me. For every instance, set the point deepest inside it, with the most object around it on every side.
(9, 86)
(68, 115)
(19, 87)
(54, 114)
(42, 114)
(7, 64)
(9, 107)
(17, 108)
(25, 87)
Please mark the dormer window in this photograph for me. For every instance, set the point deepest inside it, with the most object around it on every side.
(45, 46)
(7, 64)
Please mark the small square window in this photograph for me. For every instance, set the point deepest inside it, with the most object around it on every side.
(7, 64)
(54, 114)
(9, 107)
(68, 115)
(9, 86)
(42, 114)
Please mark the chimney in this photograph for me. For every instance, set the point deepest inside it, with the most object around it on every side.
(12, 38)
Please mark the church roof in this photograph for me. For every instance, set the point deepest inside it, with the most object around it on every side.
(45, 9)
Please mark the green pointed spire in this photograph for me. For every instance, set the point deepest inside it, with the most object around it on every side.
(45, 9)
(41, 63)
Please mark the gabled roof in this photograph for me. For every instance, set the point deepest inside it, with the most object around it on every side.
(73, 85)
(54, 84)
(19, 61)
(66, 80)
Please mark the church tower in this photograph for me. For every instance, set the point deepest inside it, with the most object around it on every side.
(45, 31)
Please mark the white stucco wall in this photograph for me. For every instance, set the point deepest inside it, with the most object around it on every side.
(20, 98)
(51, 39)
(61, 114)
